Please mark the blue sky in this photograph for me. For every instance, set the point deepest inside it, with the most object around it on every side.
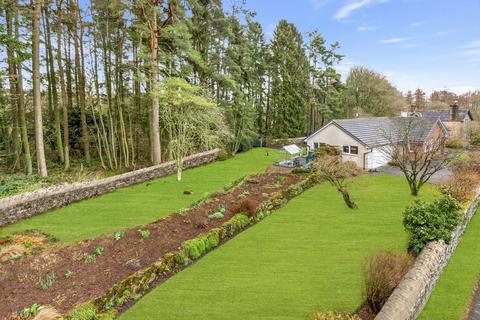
(431, 44)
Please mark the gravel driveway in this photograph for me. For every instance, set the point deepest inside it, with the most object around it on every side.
(438, 177)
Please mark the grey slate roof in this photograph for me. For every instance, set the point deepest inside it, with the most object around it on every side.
(376, 131)
(444, 115)
(370, 131)
(420, 127)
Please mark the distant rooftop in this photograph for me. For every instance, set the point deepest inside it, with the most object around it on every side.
(445, 115)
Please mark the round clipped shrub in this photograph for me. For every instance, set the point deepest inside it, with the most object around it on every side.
(239, 222)
(182, 258)
(195, 247)
(426, 222)
(213, 238)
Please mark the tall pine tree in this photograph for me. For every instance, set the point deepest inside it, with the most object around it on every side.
(289, 73)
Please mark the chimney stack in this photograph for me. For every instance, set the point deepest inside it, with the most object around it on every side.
(454, 108)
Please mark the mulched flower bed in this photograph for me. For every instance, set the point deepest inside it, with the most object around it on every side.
(66, 276)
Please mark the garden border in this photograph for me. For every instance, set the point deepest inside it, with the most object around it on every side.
(22, 206)
(125, 293)
(410, 296)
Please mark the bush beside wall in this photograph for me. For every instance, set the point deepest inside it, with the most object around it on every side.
(410, 296)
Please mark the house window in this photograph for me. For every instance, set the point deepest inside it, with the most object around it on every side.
(350, 149)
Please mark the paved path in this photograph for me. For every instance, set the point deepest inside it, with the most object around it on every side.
(474, 312)
(438, 177)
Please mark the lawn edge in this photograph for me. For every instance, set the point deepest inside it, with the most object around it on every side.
(123, 295)
(411, 295)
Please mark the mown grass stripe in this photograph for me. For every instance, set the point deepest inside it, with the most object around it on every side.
(451, 296)
(145, 202)
(306, 256)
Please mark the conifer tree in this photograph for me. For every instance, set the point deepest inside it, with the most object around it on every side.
(289, 82)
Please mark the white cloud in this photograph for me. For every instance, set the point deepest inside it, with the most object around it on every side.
(471, 50)
(417, 23)
(366, 28)
(319, 3)
(441, 33)
(472, 44)
(344, 67)
(269, 31)
(409, 45)
(393, 40)
(346, 10)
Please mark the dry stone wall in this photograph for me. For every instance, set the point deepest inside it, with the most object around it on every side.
(409, 298)
(29, 204)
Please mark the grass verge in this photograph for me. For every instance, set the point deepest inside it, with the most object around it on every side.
(453, 292)
(145, 202)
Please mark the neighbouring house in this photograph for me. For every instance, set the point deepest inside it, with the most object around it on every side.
(364, 140)
(456, 120)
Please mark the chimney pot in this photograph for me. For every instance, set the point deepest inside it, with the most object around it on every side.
(454, 108)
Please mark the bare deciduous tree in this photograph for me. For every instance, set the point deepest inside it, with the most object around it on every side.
(416, 149)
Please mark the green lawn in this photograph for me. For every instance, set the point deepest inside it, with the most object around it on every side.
(306, 256)
(452, 293)
(145, 202)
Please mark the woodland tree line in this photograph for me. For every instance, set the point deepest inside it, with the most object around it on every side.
(128, 82)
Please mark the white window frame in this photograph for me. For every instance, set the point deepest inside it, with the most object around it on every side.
(350, 150)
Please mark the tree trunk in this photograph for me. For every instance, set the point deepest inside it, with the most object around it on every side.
(81, 82)
(37, 99)
(12, 76)
(63, 95)
(346, 197)
(21, 107)
(53, 85)
(413, 188)
(179, 168)
(154, 112)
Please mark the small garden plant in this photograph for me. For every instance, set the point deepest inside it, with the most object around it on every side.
(30, 311)
(69, 274)
(118, 235)
(216, 215)
(89, 258)
(48, 282)
(144, 233)
(99, 250)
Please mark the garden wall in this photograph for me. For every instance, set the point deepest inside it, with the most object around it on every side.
(411, 295)
(28, 204)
